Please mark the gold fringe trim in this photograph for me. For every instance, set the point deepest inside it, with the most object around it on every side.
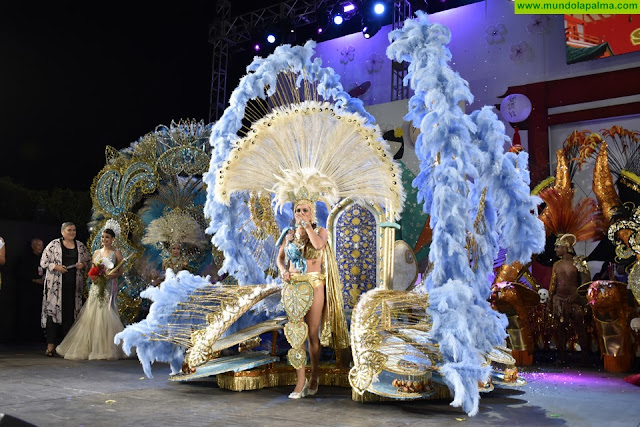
(441, 392)
(279, 376)
(334, 304)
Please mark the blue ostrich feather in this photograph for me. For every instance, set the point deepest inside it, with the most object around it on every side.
(461, 157)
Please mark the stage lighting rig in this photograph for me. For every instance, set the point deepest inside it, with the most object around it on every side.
(343, 12)
(373, 12)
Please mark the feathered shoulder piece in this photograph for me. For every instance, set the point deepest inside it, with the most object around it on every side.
(561, 216)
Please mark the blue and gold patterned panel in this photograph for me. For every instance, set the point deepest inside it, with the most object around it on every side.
(184, 159)
(356, 240)
(117, 190)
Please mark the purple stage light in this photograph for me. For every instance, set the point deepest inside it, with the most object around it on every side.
(319, 30)
(256, 47)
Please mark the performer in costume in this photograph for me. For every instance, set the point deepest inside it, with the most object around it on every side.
(181, 236)
(175, 261)
(300, 261)
(64, 260)
(567, 275)
(571, 223)
(91, 337)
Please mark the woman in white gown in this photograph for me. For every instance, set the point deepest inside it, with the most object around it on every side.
(91, 337)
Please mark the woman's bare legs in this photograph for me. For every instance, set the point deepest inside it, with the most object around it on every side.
(313, 319)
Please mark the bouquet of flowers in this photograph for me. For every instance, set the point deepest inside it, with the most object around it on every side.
(99, 272)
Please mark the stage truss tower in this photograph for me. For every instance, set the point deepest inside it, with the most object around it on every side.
(227, 32)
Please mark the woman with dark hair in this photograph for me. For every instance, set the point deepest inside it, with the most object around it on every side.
(63, 260)
(91, 337)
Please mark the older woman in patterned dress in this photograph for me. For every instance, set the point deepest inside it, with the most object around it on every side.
(64, 261)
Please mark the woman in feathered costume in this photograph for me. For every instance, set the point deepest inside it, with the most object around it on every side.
(303, 126)
(300, 261)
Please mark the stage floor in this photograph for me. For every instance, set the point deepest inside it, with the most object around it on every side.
(53, 391)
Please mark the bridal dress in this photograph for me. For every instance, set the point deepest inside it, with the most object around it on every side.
(91, 337)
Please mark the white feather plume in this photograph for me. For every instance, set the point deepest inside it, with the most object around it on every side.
(176, 226)
(317, 145)
(113, 225)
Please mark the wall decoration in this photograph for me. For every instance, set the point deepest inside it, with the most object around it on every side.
(520, 52)
(495, 33)
(374, 63)
(359, 90)
(347, 54)
(515, 108)
(538, 24)
(594, 36)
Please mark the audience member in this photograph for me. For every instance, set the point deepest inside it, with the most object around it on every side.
(30, 290)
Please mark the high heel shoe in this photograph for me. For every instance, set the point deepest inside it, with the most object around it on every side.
(312, 392)
(302, 393)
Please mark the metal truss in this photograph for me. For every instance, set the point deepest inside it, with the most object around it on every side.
(218, 94)
(401, 12)
(227, 32)
(297, 12)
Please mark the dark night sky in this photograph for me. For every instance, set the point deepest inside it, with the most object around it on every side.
(74, 79)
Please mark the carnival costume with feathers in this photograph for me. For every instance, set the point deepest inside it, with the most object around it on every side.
(568, 222)
(297, 153)
(304, 132)
(299, 128)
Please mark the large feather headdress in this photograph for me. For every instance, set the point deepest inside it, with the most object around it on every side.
(177, 226)
(314, 145)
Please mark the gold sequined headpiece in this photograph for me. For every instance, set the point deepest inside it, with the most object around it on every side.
(303, 197)
(566, 240)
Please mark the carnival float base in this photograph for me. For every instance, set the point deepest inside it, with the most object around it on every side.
(617, 364)
(523, 357)
(281, 374)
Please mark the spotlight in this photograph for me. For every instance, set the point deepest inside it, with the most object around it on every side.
(319, 30)
(370, 28)
(348, 7)
(338, 19)
(256, 47)
(372, 13)
(271, 38)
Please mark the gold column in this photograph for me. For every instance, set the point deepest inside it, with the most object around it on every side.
(388, 239)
